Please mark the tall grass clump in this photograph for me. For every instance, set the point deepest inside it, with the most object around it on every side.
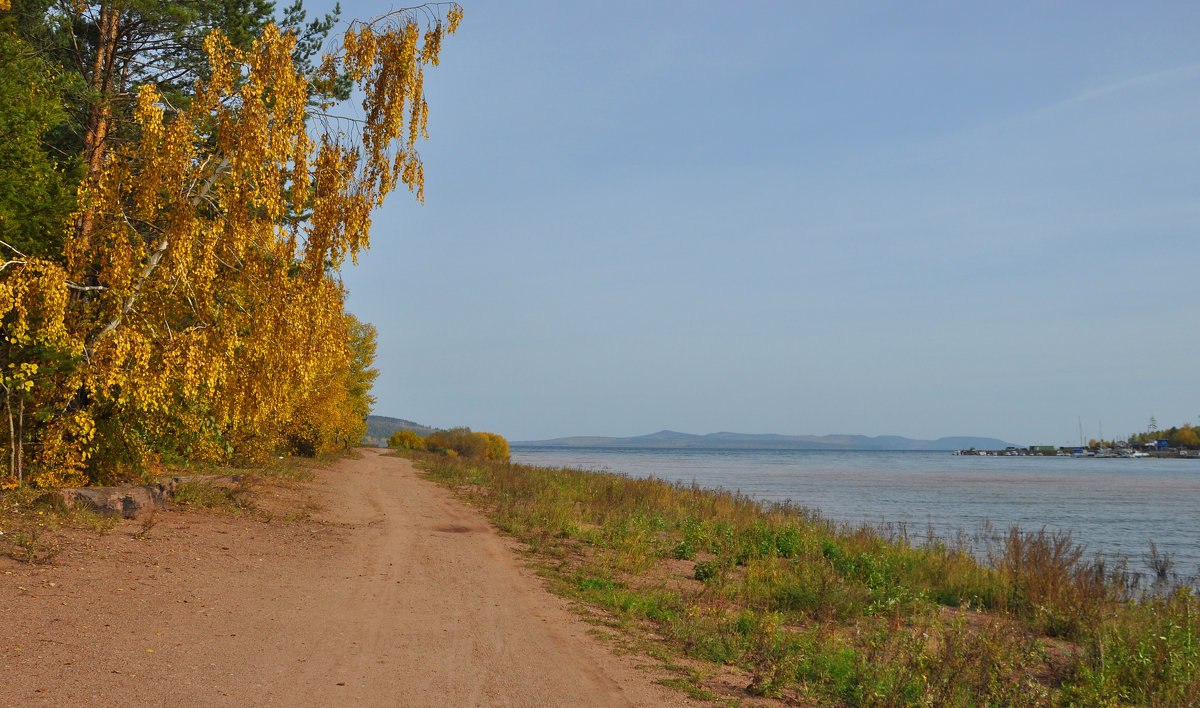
(818, 612)
(1050, 582)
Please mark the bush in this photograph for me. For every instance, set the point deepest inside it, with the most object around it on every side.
(464, 443)
(406, 440)
(496, 447)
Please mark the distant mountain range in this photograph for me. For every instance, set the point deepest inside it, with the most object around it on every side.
(669, 439)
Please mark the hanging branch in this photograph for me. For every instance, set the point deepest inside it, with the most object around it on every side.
(154, 259)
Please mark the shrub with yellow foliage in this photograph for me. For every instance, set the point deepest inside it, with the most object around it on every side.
(495, 447)
(406, 440)
(464, 443)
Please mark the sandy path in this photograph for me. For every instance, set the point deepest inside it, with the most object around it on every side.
(402, 596)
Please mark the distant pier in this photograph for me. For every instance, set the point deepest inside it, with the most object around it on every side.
(1128, 451)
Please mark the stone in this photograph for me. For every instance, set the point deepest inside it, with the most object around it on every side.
(128, 501)
(133, 501)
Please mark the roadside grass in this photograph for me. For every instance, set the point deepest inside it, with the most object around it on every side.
(817, 612)
(235, 499)
(31, 518)
(298, 469)
(278, 478)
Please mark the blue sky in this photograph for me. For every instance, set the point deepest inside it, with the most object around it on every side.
(920, 219)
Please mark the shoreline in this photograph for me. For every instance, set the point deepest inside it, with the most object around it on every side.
(1111, 506)
(820, 613)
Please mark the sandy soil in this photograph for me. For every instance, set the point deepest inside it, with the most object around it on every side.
(393, 594)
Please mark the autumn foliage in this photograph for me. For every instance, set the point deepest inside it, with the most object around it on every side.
(458, 442)
(406, 440)
(195, 308)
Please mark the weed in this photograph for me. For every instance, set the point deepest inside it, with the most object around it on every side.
(29, 547)
(90, 519)
(710, 571)
(147, 523)
(689, 686)
(1149, 654)
(1160, 563)
(206, 495)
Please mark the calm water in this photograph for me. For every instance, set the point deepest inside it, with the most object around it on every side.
(1114, 506)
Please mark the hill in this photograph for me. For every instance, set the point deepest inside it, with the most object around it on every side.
(381, 427)
(669, 439)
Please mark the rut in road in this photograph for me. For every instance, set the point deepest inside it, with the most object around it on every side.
(447, 611)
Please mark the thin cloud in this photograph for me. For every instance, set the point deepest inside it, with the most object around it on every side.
(1162, 78)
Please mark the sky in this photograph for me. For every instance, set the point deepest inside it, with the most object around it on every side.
(920, 219)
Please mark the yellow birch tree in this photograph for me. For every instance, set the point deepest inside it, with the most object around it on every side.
(203, 309)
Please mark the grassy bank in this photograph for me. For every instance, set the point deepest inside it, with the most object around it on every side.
(816, 612)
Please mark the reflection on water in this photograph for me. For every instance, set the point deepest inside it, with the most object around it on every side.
(1114, 506)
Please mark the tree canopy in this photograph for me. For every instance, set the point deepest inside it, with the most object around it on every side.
(169, 284)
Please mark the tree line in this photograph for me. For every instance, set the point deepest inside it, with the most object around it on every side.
(178, 193)
(1184, 437)
(1181, 436)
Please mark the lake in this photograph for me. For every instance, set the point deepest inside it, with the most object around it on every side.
(1113, 506)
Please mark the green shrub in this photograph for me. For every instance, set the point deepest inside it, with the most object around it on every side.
(709, 571)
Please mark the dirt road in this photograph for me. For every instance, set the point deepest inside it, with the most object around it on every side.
(394, 595)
